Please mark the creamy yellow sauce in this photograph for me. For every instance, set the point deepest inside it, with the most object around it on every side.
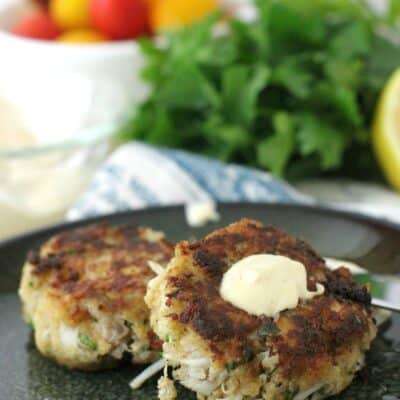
(266, 284)
(199, 214)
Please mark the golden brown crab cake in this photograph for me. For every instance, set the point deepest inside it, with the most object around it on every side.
(222, 352)
(84, 294)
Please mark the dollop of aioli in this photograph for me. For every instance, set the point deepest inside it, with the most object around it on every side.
(266, 284)
(201, 213)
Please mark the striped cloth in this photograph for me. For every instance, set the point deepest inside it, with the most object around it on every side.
(138, 176)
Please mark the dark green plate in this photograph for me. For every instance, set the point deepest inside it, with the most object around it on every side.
(25, 374)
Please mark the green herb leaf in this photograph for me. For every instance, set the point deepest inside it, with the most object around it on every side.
(294, 76)
(290, 394)
(343, 72)
(274, 152)
(241, 86)
(317, 137)
(294, 92)
(394, 10)
(187, 88)
(86, 341)
(352, 40)
(385, 59)
(231, 136)
(342, 102)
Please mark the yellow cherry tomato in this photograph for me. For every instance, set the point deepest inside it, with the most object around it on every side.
(82, 36)
(166, 14)
(70, 14)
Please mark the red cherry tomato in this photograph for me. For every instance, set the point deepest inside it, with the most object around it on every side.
(120, 19)
(42, 3)
(37, 26)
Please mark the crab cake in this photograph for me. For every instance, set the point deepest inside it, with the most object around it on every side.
(223, 352)
(83, 292)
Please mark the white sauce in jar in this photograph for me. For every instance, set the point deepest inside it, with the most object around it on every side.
(36, 189)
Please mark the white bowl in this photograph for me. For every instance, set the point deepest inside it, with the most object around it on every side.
(69, 98)
(59, 88)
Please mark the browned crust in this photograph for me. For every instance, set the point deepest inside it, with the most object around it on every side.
(318, 330)
(210, 316)
(99, 262)
(215, 253)
(315, 333)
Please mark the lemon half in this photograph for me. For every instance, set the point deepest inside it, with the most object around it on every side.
(386, 130)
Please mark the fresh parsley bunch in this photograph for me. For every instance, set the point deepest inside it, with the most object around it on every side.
(293, 92)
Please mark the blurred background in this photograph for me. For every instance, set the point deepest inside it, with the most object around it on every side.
(307, 90)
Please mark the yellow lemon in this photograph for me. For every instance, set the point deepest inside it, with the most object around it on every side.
(82, 36)
(168, 14)
(70, 14)
(386, 131)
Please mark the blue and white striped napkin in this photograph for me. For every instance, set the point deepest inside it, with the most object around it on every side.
(138, 176)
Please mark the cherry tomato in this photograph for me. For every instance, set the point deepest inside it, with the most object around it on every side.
(167, 14)
(42, 3)
(70, 14)
(82, 36)
(120, 19)
(37, 26)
